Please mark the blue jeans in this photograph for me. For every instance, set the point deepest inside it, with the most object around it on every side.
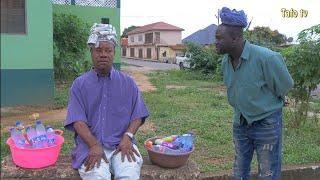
(264, 137)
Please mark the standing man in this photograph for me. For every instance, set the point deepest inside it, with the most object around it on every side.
(105, 110)
(257, 81)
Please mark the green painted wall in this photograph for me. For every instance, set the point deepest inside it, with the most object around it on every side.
(32, 50)
(93, 15)
(27, 59)
(26, 87)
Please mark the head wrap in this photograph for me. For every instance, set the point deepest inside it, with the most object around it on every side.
(102, 32)
(233, 17)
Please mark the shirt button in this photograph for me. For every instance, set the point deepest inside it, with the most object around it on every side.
(102, 118)
(104, 95)
(104, 107)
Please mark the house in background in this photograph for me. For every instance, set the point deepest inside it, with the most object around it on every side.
(203, 37)
(157, 41)
(124, 46)
(27, 76)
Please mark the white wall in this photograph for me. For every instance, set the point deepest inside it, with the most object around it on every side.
(136, 39)
(166, 37)
(170, 37)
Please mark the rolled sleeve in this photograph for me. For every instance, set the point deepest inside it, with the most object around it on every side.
(76, 109)
(139, 110)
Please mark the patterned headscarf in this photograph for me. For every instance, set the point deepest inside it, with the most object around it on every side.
(233, 17)
(102, 32)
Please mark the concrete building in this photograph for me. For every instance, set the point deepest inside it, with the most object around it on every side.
(157, 41)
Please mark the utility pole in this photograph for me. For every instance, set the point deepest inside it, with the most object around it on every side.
(249, 24)
(217, 16)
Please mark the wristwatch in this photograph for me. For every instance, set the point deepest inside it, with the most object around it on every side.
(129, 134)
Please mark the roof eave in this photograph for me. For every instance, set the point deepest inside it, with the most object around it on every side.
(154, 30)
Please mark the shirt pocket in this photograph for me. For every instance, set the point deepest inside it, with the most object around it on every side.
(120, 111)
(120, 118)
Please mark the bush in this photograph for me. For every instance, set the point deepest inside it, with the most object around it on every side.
(303, 62)
(70, 34)
(205, 59)
(264, 36)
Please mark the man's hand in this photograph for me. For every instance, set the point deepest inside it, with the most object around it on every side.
(96, 154)
(126, 149)
(287, 101)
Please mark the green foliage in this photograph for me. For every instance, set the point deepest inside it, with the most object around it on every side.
(126, 30)
(205, 59)
(310, 34)
(61, 94)
(70, 34)
(264, 36)
(4, 147)
(80, 67)
(303, 61)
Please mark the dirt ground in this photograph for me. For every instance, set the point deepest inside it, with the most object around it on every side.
(10, 115)
(139, 75)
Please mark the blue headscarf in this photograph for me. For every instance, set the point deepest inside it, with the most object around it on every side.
(233, 17)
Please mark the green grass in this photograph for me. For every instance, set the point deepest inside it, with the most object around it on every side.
(196, 107)
(126, 64)
(4, 147)
(300, 145)
(201, 106)
(61, 94)
(315, 106)
(68, 137)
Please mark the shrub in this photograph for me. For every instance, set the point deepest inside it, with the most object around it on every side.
(70, 34)
(303, 62)
(204, 59)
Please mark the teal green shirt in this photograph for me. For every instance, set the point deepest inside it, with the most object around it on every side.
(257, 86)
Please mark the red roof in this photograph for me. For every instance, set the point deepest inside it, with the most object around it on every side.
(155, 26)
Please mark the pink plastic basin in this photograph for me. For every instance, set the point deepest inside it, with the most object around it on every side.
(35, 158)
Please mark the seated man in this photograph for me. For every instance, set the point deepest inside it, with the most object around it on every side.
(105, 110)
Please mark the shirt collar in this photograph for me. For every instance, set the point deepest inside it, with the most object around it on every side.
(96, 75)
(245, 52)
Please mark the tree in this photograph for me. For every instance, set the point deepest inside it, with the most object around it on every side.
(303, 61)
(70, 35)
(204, 59)
(264, 36)
(126, 30)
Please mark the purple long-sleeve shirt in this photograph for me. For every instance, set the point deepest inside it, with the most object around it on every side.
(107, 104)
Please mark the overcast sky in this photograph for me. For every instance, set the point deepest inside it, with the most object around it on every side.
(194, 15)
